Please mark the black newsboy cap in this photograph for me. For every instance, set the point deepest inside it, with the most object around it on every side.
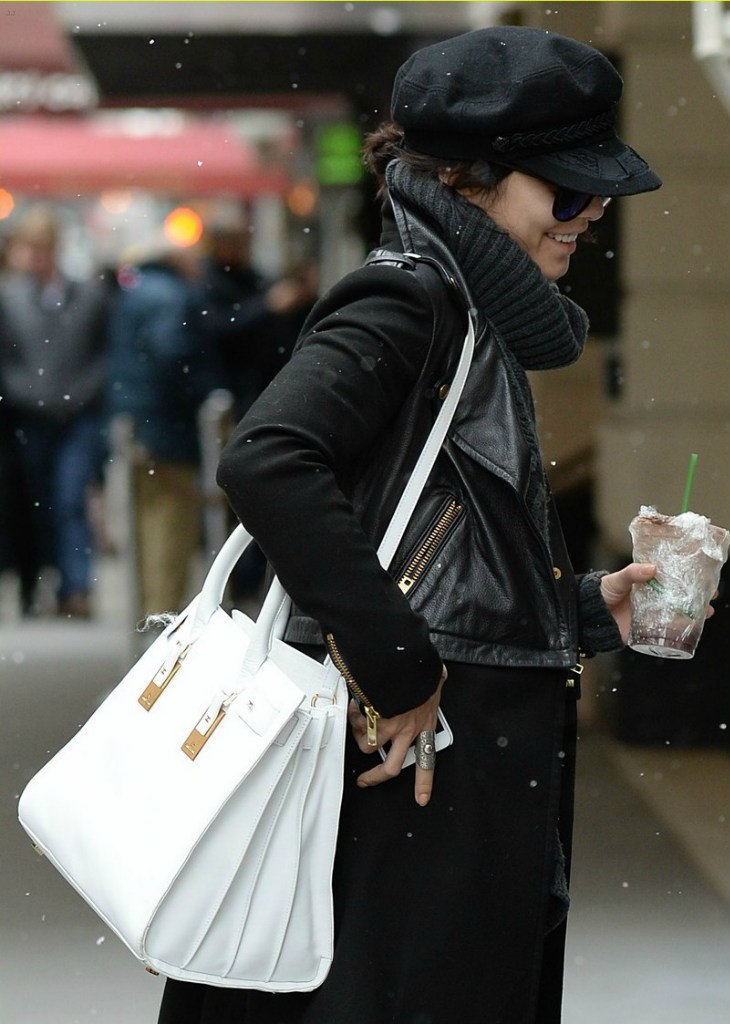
(528, 99)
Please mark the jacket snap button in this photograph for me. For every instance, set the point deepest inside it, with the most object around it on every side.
(557, 572)
(443, 391)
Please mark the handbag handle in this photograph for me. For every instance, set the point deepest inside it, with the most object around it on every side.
(215, 583)
(274, 613)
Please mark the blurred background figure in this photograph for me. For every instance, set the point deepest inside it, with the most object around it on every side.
(52, 366)
(252, 322)
(252, 325)
(161, 369)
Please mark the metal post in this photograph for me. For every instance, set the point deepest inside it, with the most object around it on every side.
(215, 422)
(120, 488)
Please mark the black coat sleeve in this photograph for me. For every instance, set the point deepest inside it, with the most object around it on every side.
(362, 353)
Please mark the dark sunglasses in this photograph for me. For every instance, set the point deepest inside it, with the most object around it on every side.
(569, 203)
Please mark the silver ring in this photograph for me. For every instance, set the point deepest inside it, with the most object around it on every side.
(426, 750)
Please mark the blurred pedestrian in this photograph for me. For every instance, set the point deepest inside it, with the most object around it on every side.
(161, 369)
(252, 325)
(52, 366)
(252, 322)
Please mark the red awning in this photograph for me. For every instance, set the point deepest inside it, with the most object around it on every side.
(70, 156)
(33, 38)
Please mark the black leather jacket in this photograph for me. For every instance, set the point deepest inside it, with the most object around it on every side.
(485, 581)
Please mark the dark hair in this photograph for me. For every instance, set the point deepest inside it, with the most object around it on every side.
(386, 144)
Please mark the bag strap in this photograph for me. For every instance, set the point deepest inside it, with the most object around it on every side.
(422, 470)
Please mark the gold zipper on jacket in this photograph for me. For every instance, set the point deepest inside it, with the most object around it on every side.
(416, 567)
(371, 714)
(419, 563)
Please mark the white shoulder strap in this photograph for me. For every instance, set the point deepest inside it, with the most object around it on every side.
(426, 459)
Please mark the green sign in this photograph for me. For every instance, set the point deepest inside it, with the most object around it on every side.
(338, 159)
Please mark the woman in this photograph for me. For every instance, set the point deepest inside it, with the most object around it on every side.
(450, 884)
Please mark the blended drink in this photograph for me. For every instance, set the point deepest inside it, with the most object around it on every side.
(668, 612)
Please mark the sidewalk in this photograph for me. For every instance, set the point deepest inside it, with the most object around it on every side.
(649, 936)
(58, 963)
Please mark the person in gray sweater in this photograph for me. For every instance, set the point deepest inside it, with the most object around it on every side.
(52, 367)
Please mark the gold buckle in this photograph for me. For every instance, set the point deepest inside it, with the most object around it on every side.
(161, 679)
(577, 670)
(206, 726)
(315, 697)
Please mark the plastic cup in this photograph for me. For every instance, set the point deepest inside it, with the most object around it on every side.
(668, 612)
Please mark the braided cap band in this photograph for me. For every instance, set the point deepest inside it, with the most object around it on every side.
(593, 128)
(460, 146)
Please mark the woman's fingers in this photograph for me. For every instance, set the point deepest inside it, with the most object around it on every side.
(425, 758)
(388, 769)
(391, 767)
(424, 785)
(616, 586)
(413, 727)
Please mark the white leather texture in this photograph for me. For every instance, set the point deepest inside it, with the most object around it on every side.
(216, 869)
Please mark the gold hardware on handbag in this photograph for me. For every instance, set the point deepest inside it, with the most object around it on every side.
(162, 678)
(206, 727)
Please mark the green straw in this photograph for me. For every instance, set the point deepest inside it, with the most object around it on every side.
(690, 477)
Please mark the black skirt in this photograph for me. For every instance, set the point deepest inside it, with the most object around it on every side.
(443, 913)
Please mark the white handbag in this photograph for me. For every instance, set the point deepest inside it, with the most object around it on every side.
(197, 810)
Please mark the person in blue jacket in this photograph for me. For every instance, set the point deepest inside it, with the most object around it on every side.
(160, 370)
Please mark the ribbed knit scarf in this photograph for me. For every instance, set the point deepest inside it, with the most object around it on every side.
(541, 328)
(536, 327)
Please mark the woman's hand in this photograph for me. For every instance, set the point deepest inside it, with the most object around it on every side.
(401, 732)
(616, 592)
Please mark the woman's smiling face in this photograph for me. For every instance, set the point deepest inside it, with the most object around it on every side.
(523, 207)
